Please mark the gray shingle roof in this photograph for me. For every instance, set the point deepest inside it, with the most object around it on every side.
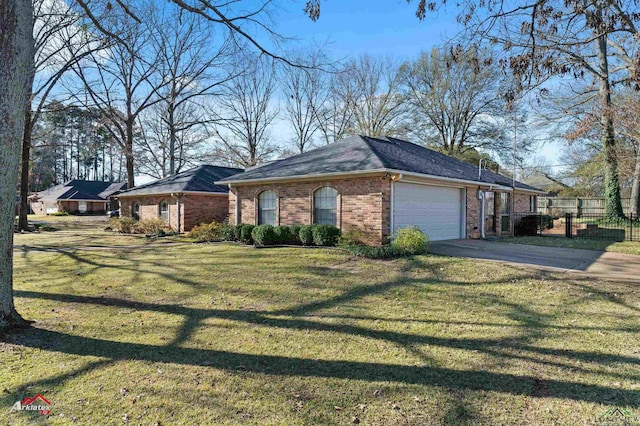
(198, 179)
(77, 189)
(362, 153)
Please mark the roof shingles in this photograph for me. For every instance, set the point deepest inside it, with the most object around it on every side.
(365, 154)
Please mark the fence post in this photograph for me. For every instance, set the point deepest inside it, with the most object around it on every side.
(630, 226)
(567, 225)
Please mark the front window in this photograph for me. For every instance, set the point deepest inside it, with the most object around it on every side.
(136, 211)
(489, 203)
(532, 203)
(164, 211)
(267, 208)
(324, 203)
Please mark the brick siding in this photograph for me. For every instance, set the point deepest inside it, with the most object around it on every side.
(363, 204)
(194, 208)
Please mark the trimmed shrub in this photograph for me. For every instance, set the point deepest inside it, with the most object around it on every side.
(546, 222)
(206, 232)
(295, 234)
(306, 235)
(352, 239)
(410, 240)
(282, 235)
(377, 252)
(237, 232)
(263, 235)
(227, 232)
(62, 213)
(125, 225)
(152, 227)
(325, 235)
(245, 233)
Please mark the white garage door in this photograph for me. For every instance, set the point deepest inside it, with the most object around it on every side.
(436, 210)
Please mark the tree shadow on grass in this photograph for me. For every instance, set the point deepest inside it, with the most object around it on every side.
(353, 370)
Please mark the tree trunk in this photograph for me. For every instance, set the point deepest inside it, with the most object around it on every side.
(613, 203)
(16, 57)
(172, 141)
(635, 187)
(128, 153)
(23, 222)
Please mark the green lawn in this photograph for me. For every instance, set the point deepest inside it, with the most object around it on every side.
(628, 247)
(225, 334)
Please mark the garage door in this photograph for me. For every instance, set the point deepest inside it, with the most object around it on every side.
(436, 210)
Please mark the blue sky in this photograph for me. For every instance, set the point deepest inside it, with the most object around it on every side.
(381, 27)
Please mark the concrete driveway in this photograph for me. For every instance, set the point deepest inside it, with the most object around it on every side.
(592, 263)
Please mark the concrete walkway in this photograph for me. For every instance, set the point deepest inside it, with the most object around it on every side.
(592, 263)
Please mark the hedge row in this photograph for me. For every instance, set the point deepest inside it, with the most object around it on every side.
(267, 235)
(150, 227)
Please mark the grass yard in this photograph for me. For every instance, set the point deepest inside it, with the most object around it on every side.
(225, 334)
(628, 247)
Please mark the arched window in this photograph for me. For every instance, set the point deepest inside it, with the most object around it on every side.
(267, 208)
(136, 211)
(325, 201)
(164, 211)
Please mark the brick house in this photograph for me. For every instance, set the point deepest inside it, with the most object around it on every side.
(183, 200)
(378, 185)
(76, 196)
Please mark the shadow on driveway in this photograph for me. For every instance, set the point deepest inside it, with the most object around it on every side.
(596, 264)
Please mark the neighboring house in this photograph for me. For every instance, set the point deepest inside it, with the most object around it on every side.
(548, 184)
(183, 200)
(75, 196)
(377, 185)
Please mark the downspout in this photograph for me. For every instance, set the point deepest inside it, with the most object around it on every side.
(394, 178)
(482, 232)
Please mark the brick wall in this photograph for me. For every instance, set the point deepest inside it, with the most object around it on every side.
(473, 213)
(362, 204)
(194, 209)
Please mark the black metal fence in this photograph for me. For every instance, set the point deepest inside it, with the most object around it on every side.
(595, 226)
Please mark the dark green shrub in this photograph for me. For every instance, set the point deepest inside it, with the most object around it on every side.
(237, 232)
(263, 235)
(245, 233)
(546, 222)
(62, 213)
(283, 235)
(306, 235)
(206, 232)
(227, 232)
(410, 240)
(352, 239)
(378, 252)
(295, 234)
(325, 235)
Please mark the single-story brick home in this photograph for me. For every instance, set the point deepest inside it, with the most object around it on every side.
(376, 186)
(76, 196)
(183, 200)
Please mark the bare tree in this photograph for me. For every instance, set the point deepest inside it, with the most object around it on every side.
(123, 82)
(60, 42)
(246, 113)
(193, 69)
(334, 114)
(304, 91)
(456, 101)
(371, 88)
